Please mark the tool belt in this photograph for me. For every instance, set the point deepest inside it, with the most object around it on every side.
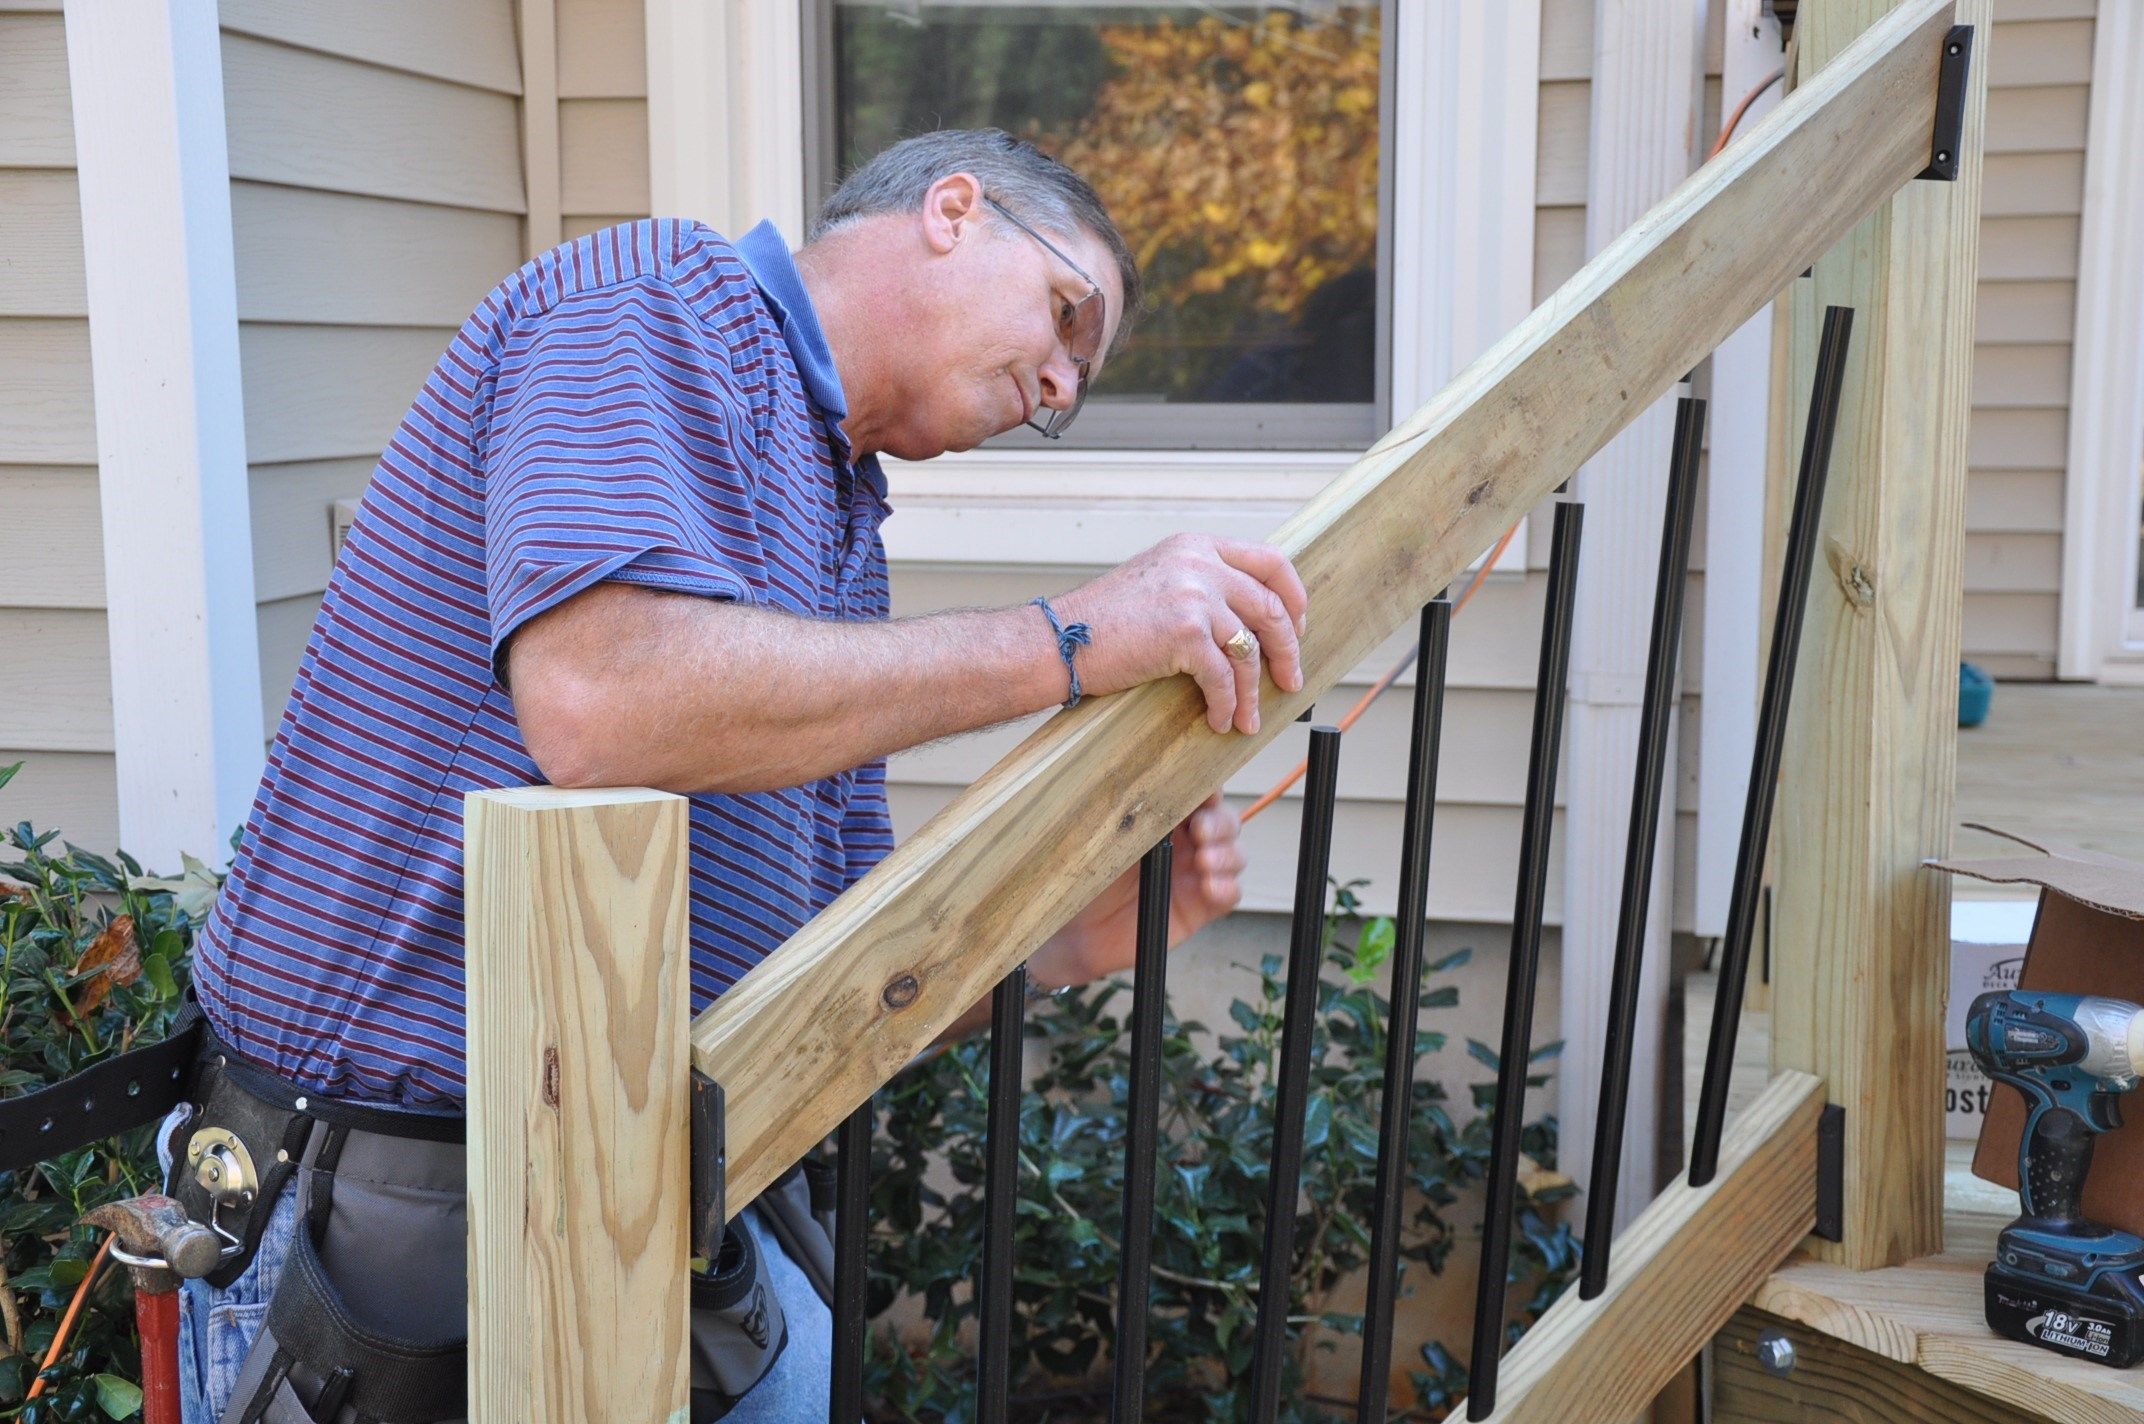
(323, 1356)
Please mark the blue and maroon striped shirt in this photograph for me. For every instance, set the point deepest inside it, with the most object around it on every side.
(651, 405)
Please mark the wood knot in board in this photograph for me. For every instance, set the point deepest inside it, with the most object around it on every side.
(1477, 494)
(550, 1077)
(1857, 581)
(900, 991)
(1125, 822)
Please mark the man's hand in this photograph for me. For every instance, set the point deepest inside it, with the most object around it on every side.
(1173, 609)
(1205, 884)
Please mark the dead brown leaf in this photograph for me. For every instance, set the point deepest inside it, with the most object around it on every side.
(115, 952)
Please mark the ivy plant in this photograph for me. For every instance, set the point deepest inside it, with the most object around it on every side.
(1216, 1135)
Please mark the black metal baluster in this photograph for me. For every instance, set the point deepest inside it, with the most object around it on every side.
(1397, 1109)
(1771, 736)
(1520, 984)
(852, 1149)
(1306, 945)
(1135, 1264)
(1660, 662)
(1001, 1194)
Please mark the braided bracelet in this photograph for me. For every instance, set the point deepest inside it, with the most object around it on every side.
(1070, 638)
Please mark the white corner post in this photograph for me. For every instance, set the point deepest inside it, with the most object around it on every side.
(2102, 633)
(1466, 131)
(1739, 441)
(1648, 72)
(726, 113)
(147, 84)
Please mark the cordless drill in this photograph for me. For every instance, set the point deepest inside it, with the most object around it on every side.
(2058, 1280)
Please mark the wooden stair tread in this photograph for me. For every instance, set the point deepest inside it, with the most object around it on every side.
(1927, 1313)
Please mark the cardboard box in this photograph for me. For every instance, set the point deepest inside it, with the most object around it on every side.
(1987, 949)
(2088, 938)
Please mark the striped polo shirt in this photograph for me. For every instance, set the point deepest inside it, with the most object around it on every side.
(650, 405)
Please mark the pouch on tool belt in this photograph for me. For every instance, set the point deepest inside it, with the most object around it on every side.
(315, 1362)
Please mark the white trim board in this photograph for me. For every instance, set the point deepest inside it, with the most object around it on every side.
(726, 113)
(1739, 439)
(1647, 88)
(147, 83)
(726, 137)
(2102, 635)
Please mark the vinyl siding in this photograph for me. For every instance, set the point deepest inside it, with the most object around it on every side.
(56, 717)
(2039, 71)
(376, 195)
(602, 114)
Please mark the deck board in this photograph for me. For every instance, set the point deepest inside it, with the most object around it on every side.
(2059, 759)
(1928, 1313)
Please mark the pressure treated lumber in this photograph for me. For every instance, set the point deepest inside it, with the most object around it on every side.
(1834, 1381)
(1861, 958)
(578, 1191)
(808, 1034)
(1681, 1270)
(1926, 1317)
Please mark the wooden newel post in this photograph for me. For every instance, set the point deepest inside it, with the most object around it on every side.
(1862, 952)
(578, 1085)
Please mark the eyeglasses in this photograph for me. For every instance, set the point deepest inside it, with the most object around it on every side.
(1079, 327)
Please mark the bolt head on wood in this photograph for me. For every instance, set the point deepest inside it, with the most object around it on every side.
(1776, 1353)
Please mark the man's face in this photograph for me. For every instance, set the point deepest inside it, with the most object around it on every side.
(998, 299)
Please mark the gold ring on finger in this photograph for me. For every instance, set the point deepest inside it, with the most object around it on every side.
(1243, 647)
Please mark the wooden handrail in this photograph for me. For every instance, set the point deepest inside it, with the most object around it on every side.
(811, 1032)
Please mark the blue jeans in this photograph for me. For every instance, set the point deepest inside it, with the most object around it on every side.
(218, 1327)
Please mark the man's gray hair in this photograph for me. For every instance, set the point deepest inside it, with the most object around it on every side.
(1033, 186)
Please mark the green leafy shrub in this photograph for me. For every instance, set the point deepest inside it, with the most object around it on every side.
(93, 960)
(1210, 1194)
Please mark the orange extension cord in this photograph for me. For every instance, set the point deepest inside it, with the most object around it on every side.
(1362, 704)
(74, 1309)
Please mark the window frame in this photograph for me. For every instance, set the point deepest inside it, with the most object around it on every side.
(2100, 623)
(1455, 285)
(1117, 424)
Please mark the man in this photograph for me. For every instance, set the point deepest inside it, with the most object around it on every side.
(628, 535)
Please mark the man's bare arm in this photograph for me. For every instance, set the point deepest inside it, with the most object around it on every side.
(628, 686)
(622, 685)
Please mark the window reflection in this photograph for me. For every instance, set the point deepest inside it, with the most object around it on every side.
(1237, 146)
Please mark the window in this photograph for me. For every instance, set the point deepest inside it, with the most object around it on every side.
(1238, 147)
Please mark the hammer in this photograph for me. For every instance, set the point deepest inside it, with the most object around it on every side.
(160, 1245)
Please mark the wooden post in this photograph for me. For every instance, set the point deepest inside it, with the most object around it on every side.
(1862, 957)
(578, 1086)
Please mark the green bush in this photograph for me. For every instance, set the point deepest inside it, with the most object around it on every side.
(93, 957)
(1210, 1192)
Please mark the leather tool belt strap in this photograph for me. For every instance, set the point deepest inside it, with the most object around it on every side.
(117, 1095)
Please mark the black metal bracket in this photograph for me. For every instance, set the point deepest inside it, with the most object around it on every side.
(1830, 1174)
(1950, 106)
(710, 1166)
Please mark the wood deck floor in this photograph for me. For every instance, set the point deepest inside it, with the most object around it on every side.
(2061, 759)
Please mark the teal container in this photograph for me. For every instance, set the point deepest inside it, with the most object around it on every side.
(1975, 691)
